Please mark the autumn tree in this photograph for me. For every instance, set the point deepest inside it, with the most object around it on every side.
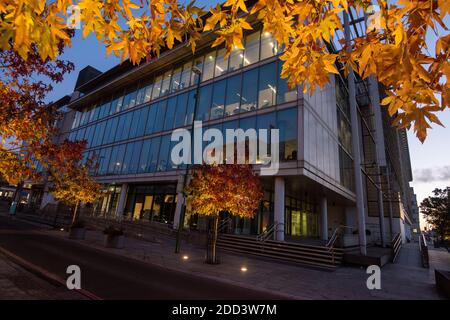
(436, 210)
(232, 189)
(72, 184)
(394, 48)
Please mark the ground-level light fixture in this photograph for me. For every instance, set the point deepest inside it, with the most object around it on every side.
(185, 257)
(244, 269)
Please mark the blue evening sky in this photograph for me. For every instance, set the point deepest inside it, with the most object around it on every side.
(430, 161)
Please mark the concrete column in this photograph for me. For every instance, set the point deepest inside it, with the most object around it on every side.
(279, 208)
(324, 217)
(122, 200)
(356, 136)
(381, 210)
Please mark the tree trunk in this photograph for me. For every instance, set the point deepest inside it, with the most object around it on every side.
(75, 214)
(214, 240)
(212, 247)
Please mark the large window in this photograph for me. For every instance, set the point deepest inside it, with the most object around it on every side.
(110, 131)
(144, 159)
(165, 86)
(236, 59)
(123, 128)
(157, 87)
(160, 112)
(164, 153)
(99, 132)
(116, 104)
(233, 96)
(284, 93)
(131, 160)
(198, 63)
(287, 124)
(208, 66)
(180, 114)
(249, 90)
(218, 100)
(251, 54)
(138, 122)
(269, 47)
(267, 85)
(153, 157)
(170, 113)
(204, 103)
(150, 127)
(103, 160)
(221, 63)
(129, 100)
(186, 75)
(175, 85)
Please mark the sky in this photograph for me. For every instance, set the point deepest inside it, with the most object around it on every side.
(430, 161)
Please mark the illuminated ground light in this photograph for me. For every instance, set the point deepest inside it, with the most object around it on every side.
(185, 257)
(244, 269)
(62, 229)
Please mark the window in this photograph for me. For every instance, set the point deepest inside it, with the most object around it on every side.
(94, 113)
(287, 124)
(138, 122)
(89, 135)
(233, 96)
(284, 94)
(180, 114)
(170, 113)
(104, 156)
(204, 103)
(160, 112)
(157, 87)
(251, 54)
(186, 75)
(144, 159)
(116, 104)
(221, 63)
(131, 159)
(165, 86)
(99, 132)
(129, 100)
(249, 90)
(190, 108)
(269, 47)
(267, 85)
(208, 67)
(218, 100)
(236, 58)
(104, 110)
(110, 131)
(164, 149)
(124, 126)
(119, 152)
(153, 157)
(80, 134)
(76, 121)
(175, 85)
(266, 121)
(150, 127)
(198, 63)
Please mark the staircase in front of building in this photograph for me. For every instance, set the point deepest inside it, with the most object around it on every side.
(309, 255)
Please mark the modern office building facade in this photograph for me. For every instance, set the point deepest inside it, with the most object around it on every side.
(127, 116)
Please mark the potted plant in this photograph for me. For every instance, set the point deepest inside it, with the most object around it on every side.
(77, 230)
(113, 237)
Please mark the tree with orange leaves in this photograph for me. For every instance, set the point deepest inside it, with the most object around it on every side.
(230, 188)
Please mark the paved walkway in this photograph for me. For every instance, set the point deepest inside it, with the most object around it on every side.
(18, 284)
(404, 280)
(399, 281)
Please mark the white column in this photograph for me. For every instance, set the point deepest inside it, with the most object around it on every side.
(356, 136)
(324, 217)
(279, 208)
(122, 200)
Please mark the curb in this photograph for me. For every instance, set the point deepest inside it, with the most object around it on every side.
(42, 273)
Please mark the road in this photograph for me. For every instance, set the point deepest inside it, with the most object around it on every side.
(111, 276)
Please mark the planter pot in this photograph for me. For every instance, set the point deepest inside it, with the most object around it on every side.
(110, 241)
(77, 233)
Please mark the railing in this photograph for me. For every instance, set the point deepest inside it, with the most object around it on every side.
(339, 231)
(424, 251)
(269, 232)
(223, 225)
(396, 245)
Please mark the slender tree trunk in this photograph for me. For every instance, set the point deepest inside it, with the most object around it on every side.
(214, 240)
(75, 213)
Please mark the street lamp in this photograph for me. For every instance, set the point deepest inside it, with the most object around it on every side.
(198, 72)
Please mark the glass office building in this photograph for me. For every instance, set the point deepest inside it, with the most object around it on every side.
(127, 115)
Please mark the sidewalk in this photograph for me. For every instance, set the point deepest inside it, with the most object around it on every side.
(18, 284)
(398, 281)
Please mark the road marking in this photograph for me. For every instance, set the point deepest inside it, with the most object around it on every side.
(44, 273)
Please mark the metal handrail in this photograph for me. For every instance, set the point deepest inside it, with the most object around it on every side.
(336, 234)
(264, 236)
(396, 246)
(223, 224)
(424, 251)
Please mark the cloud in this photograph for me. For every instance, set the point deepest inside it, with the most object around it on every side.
(427, 175)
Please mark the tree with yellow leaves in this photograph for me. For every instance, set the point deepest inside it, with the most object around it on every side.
(232, 189)
(394, 49)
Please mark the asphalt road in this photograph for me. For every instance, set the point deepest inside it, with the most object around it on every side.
(111, 276)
